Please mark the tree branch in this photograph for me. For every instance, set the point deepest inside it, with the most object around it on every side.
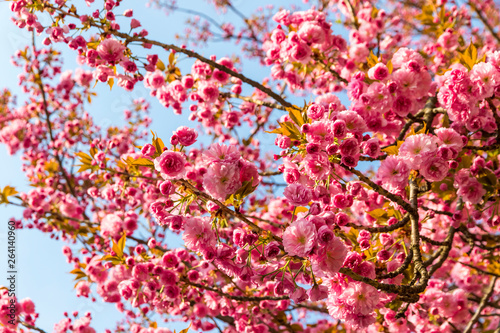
(379, 189)
(189, 53)
(387, 228)
(482, 305)
(238, 298)
(223, 207)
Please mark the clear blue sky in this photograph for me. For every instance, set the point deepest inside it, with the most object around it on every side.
(42, 271)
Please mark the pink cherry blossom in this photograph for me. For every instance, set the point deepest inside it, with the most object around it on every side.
(298, 194)
(417, 148)
(327, 260)
(171, 164)
(299, 238)
(221, 180)
(186, 136)
(110, 50)
(198, 234)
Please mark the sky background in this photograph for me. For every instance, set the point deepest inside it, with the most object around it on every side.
(43, 274)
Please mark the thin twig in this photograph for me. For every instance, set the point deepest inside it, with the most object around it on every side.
(189, 53)
(481, 306)
(485, 21)
(385, 228)
(380, 189)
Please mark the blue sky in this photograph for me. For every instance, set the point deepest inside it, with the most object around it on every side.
(42, 269)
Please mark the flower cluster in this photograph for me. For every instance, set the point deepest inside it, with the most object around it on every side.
(389, 206)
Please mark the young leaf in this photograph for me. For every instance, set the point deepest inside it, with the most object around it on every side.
(296, 115)
(84, 167)
(143, 162)
(294, 133)
(469, 57)
(121, 242)
(160, 65)
(111, 82)
(284, 129)
(377, 213)
(276, 131)
(391, 150)
(84, 158)
(118, 247)
(301, 209)
(8, 191)
(423, 130)
(389, 66)
(159, 145)
(171, 58)
(372, 59)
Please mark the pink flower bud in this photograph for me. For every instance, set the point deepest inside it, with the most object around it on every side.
(364, 244)
(383, 255)
(272, 250)
(134, 24)
(299, 295)
(342, 219)
(315, 209)
(152, 243)
(317, 293)
(325, 235)
(339, 129)
(148, 150)
(316, 111)
(378, 72)
(298, 194)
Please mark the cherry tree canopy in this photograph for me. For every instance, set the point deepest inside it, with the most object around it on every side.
(376, 211)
